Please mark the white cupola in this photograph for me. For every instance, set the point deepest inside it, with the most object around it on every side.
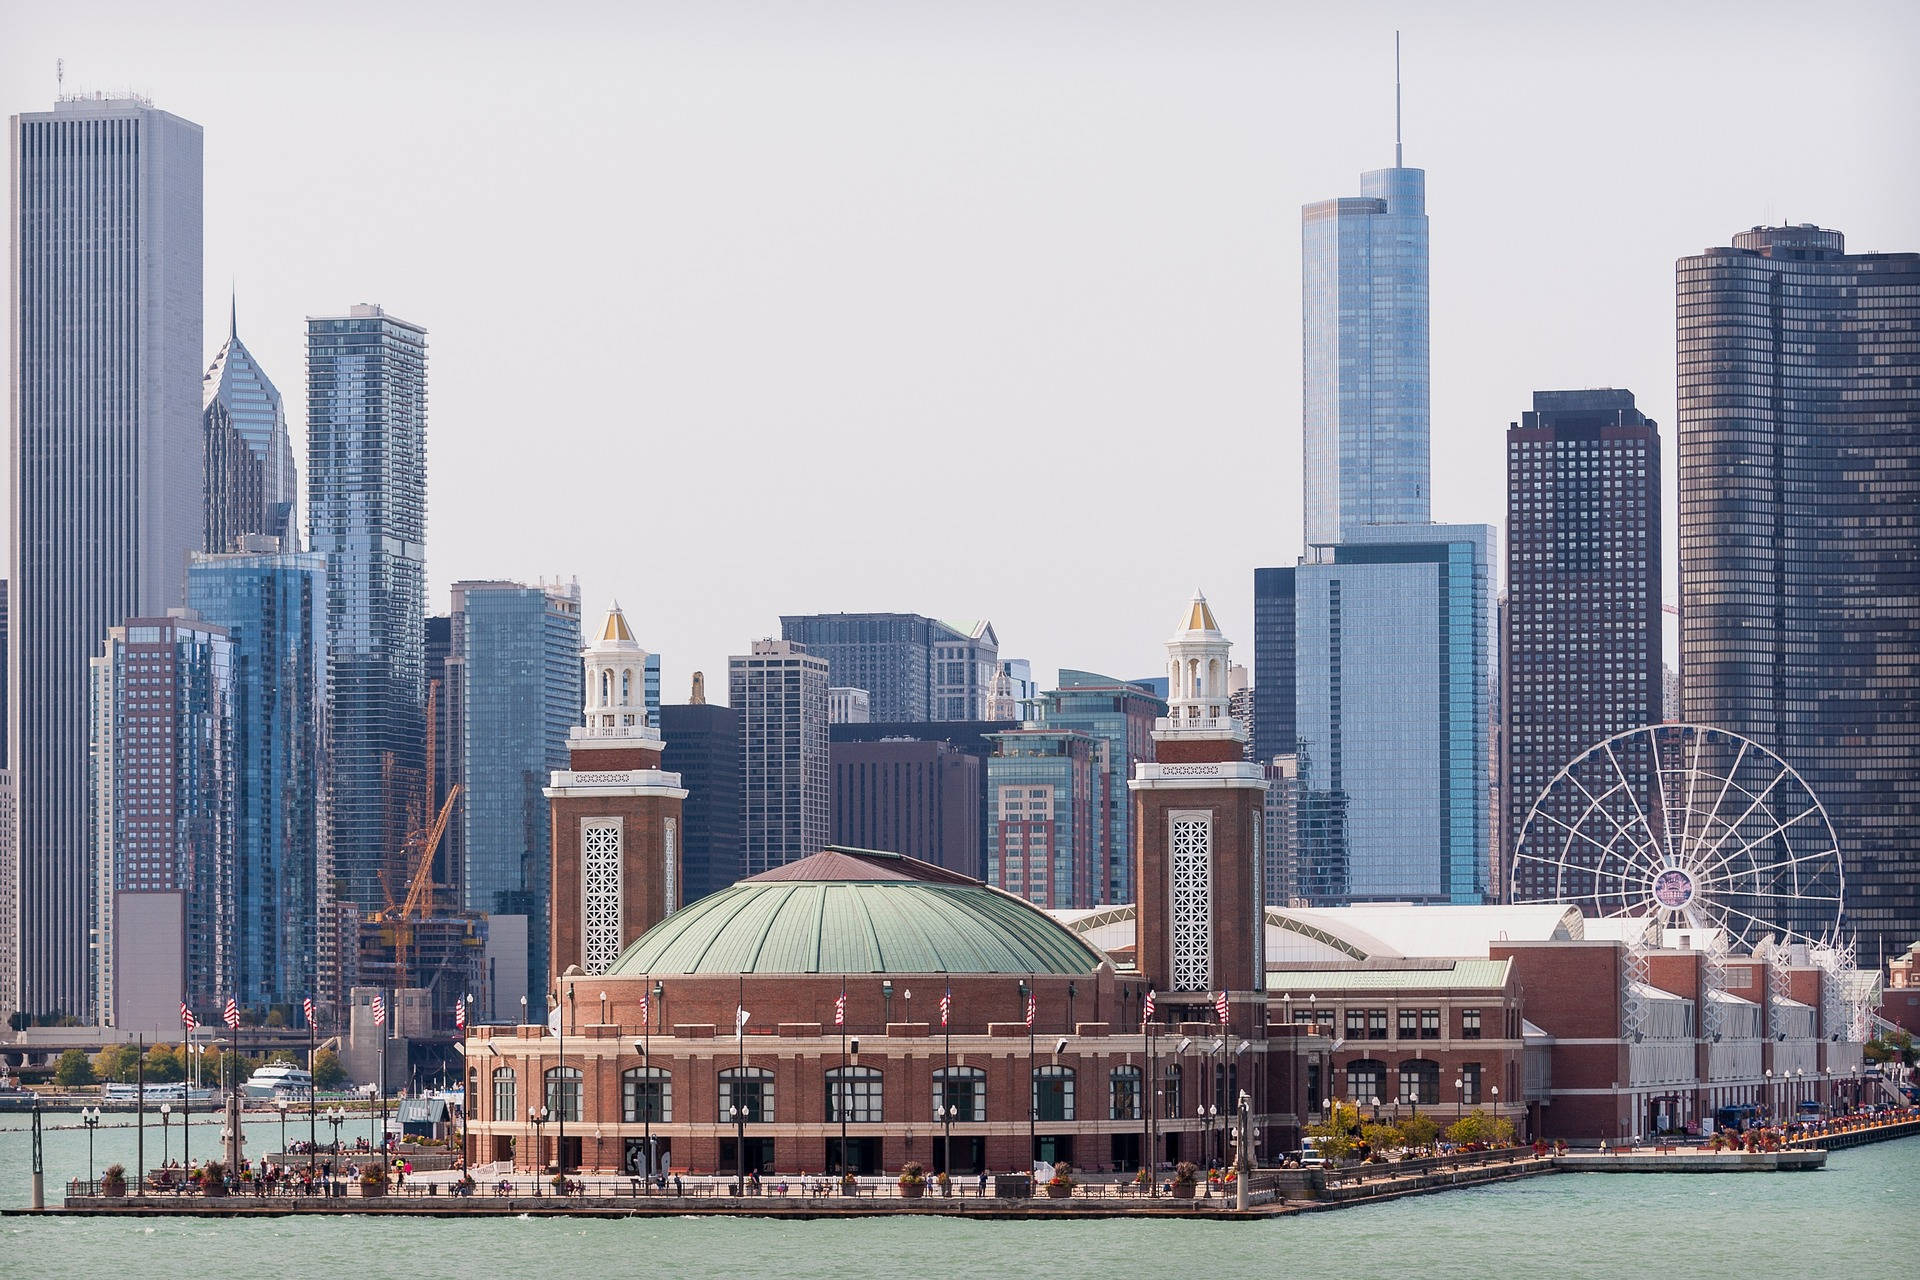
(616, 671)
(1197, 668)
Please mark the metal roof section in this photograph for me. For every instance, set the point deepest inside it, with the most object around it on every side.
(1489, 975)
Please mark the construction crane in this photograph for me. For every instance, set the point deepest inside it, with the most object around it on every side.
(418, 902)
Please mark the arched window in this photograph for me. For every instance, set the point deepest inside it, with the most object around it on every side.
(646, 1093)
(563, 1093)
(1420, 1081)
(626, 687)
(1125, 1103)
(749, 1088)
(1053, 1093)
(962, 1088)
(606, 688)
(853, 1093)
(1169, 1104)
(1366, 1080)
(504, 1097)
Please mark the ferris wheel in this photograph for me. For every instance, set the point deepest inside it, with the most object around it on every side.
(1690, 825)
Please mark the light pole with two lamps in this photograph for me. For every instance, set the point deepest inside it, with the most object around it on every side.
(90, 1117)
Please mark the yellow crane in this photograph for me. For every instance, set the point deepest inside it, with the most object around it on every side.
(418, 902)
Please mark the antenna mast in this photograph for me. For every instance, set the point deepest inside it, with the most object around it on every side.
(1396, 100)
(59, 78)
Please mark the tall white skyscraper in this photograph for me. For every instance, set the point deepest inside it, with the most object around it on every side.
(780, 693)
(107, 499)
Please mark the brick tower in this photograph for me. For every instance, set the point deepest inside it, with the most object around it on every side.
(616, 815)
(1197, 812)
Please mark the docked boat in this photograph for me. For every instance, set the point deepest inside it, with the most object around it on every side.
(278, 1080)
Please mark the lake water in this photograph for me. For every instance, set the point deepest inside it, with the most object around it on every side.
(1859, 1217)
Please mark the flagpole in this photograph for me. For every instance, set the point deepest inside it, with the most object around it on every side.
(840, 1016)
(946, 1073)
(313, 1090)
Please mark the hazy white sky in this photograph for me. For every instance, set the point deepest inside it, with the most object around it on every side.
(966, 309)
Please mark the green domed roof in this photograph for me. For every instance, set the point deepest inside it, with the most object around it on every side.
(857, 914)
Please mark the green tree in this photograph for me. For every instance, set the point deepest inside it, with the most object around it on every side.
(163, 1064)
(1478, 1126)
(1382, 1137)
(19, 1020)
(1339, 1133)
(1419, 1131)
(73, 1069)
(276, 1018)
(118, 1063)
(328, 1071)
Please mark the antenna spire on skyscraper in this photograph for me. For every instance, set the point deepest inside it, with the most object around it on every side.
(1396, 100)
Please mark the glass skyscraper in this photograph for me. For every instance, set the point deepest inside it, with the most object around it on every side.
(104, 366)
(1047, 816)
(521, 692)
(164, 822)
(1119, 715)
(1582, 617)
(1799, 444)
(367, 513)
(1394, 677)
(1365, 357)
(252, 484)
(273, 608)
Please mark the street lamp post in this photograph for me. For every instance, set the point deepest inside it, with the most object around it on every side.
(560, 1146)
(166, 1119)
(336, 1116)
(90, 1117)
(537, 1117)
(1205, 1112)
(947, 1115)
(281, 1104)
(738, 1113)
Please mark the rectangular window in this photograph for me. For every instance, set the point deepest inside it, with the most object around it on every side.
(1429, 1024)
(1469, 1024)
(1409, 1024)
(646, 1094)
(1376, 1024)
(1053, 1093)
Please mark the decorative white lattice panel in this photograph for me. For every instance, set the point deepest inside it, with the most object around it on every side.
(1192, 868)
(672, 873)
(600, 891)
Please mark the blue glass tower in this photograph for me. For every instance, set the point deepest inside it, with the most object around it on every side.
(273, 607)
(1119, 714)
(520, 693)
(1366, 390)
(367, 512)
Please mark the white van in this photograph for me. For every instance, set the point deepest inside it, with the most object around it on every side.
(1309, 1154)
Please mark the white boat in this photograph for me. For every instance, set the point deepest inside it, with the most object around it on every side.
(278, 1080)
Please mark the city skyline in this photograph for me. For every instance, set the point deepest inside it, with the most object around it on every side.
(1181, 140)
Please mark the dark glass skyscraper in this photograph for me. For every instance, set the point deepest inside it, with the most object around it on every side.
(1799, 438)
(273, 607)
(703, 747)
(1582, 620)
(367, 513)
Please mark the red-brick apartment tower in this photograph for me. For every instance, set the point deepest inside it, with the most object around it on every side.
(1198, 810)
(616, 815)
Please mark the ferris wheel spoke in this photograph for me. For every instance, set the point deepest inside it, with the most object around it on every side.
(1777, 831)
(1638, 812)
(1596, 805)
(1758, 800)
(1573, 831)
(1692, 747)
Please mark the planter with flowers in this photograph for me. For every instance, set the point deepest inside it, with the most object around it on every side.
(373, 1179)
(213, 1179)
(1060, 1185)
(1185, 1174)
(849, 1185)
(113, 1180)
(913, 1181)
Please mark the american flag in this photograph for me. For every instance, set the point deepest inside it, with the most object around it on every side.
(1220, 1007)
(946, 1005)
(379, 1010)
(313, 1019)
(187, 1019)
(460, 1014)
(1146, 1007)
(840, 1010)
(1033, 1006)
(644, 1002)
(233, 1013)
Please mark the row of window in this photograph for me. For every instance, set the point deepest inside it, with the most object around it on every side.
(746, 1094)
(1419, 1082)
(1412, 1024)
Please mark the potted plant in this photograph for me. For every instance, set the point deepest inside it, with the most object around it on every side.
(1184, 1175)
(213, 1179)
(946, 1183)
(1142, 1179)
(849, 1185)
(1060, 1185)
(113, 1180)
(561, 1186)
(913, 1181)
(373, 1178)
